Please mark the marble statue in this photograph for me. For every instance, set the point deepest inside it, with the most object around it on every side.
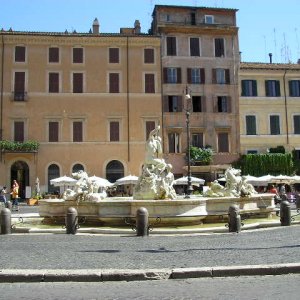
(84, 190)
(156, 180)
(236, 186)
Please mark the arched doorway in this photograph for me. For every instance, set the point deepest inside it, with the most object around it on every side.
(20, 171)
(114, 170)
(53, 172)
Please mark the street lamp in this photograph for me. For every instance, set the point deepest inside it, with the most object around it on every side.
(187, 113)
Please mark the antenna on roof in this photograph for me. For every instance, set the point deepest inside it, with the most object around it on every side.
(297, 43)
(275, 45)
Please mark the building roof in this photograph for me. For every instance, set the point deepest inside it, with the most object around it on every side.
(193, 8)
(268, 66)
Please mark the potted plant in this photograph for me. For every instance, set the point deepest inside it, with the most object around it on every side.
(201, 156)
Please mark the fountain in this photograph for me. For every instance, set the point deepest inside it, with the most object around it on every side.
(154, 191)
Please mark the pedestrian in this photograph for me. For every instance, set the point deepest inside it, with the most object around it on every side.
(2, 196)
(15, 196)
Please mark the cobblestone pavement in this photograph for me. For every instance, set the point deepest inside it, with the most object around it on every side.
(61, 251)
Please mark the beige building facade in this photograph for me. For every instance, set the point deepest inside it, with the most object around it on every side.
(269, 107)
(200, 57)
(89, 99)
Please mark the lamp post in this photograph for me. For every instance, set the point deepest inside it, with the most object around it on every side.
(187, 113)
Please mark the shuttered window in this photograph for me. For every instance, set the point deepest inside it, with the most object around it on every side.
(77, 83)
(77, 131)
(219, 47)
(171, 46)
(196, 75)
(19, 131)
(78, 55)
(249, 88)
(149, 56)
(197, 139)
(296, 124)
(223, 142)
(173, 139)
(197, 104)
(194, 47)
(53, 55)
(150, 125)
(53, 131)
(251, 125)
(114, 83)
(114, 131)
(274, 125)
(149, 83)
(294, 86)
(20, 53)
(19, 82)
(114, 55)
(53, 82)
(272, 88)
(172, 75)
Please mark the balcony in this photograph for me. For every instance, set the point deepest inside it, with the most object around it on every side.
(19, 96)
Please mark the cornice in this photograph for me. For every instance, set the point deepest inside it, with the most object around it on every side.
(81, 40)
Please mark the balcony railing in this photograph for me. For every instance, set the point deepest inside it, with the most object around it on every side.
(19, 96)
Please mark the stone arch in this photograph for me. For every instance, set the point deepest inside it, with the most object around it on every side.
(77, 167)
(19, 171)
(53, 172)
(114, 170)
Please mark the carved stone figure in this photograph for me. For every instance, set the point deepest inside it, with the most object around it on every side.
(156, 180)
(84, 190)
(236, 186)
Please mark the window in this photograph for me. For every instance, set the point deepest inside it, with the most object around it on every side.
(171, 46)
(219, 47)
(193, 18)
(77, 131)
(173, 103)
(19, 131)
(53, 82)
(114, 83)
(149, 56)
(296, 124)
(53, 131)
(114, 55)
(297, 154)
(194, 47)
(274, 125)
(20, 54)
(195, 75)
(172, 75)
(173, 142)
(77, 82)
(223, 104)
(251, 125)
(53, 55)
(252, 151)
(249, 88)
(77, 55)
(209, 19)
(53, 172)
(223, 142)
(197, 139)
(150, 125)
(149, 83)
(114, 131)
(294, 86)
(114, 170)
(197, 104)
(221, 76)
(19, 86)
(272, 88)
(77, 167)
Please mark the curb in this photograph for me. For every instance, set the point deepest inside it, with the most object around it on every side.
(100, 275)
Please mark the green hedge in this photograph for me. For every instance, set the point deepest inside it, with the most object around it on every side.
(263, 164)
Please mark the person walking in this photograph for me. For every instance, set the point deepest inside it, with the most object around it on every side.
(15, 196)
(2, 196)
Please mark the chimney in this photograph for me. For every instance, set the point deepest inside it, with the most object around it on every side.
(96, 26)
(137, 27)
(270, 55)
(298, 62)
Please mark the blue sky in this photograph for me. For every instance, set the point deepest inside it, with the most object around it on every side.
(265, 25)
